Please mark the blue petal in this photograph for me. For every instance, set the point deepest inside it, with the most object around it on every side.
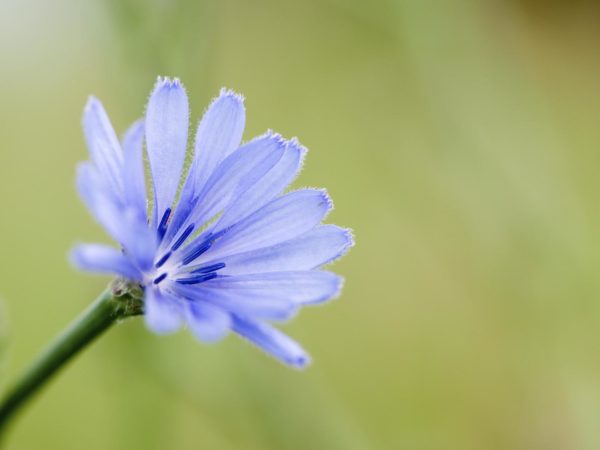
(282, 219)
(103, 144)
(267, 188)
(316, 248)
(103, 259)
(208, 323)
(219, 134)
(237, 173)
(298, 287)
(100, 200)
(272, 341)
(123, 224)
(166, 138)
(138, 239)
(133, 168)
(162, 312)
(244, 302)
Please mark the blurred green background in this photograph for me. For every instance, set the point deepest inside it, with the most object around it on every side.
(459, 139)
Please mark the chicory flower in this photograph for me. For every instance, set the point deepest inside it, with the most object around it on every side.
(220, 247)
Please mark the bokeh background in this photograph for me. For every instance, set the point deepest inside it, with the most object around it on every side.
(460, 140)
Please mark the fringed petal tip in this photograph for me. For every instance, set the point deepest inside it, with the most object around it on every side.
(167, 82)
(92, 103)
(270, 137)
(290, 144)
(349, 235)
(226, 92)
(276, 137)
(324, 196)
(325, 199)
(349, 242)
(295, 144)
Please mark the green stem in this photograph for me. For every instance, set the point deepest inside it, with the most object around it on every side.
(117, 302)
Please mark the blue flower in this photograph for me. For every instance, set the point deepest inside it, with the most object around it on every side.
(223, 248)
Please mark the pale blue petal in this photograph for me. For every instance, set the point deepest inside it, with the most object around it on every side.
(245, 302)
(133, 168)
(219, 134)
(272, 341)
(316, 248)
(207, 322)
(162, 312)
(282, 219)
(267, 188)
(237, 173)
(138, 239)
(300, 288)
(123, 224)
(103, 259)
(103, 144)
(100, 200)
(166, 140)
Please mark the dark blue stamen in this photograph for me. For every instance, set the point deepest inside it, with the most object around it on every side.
(183, 237)
(194, 253)
(162, 226)
(211, 268)
(160, 278)
(162, 260)
(218, 234)
(198, 279)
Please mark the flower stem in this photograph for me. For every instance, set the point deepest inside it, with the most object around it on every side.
(115, 303)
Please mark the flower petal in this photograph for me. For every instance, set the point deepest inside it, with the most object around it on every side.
(103, 259)
(138, 239)
(280, 220)
(267, 188)
(100, 199)
(208, 323)
(133, 168)
(237, 173)
(244, 302)
(103, 144)
(313, 249)
(219, 134)
(272, 341)
(300, 288)
(162, 312)
(166, 138)
(122, 223)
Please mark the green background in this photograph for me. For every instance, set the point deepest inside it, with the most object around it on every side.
(459, 139)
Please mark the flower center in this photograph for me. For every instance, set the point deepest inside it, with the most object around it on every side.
(191, 253)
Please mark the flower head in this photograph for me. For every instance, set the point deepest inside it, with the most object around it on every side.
(228, 250)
